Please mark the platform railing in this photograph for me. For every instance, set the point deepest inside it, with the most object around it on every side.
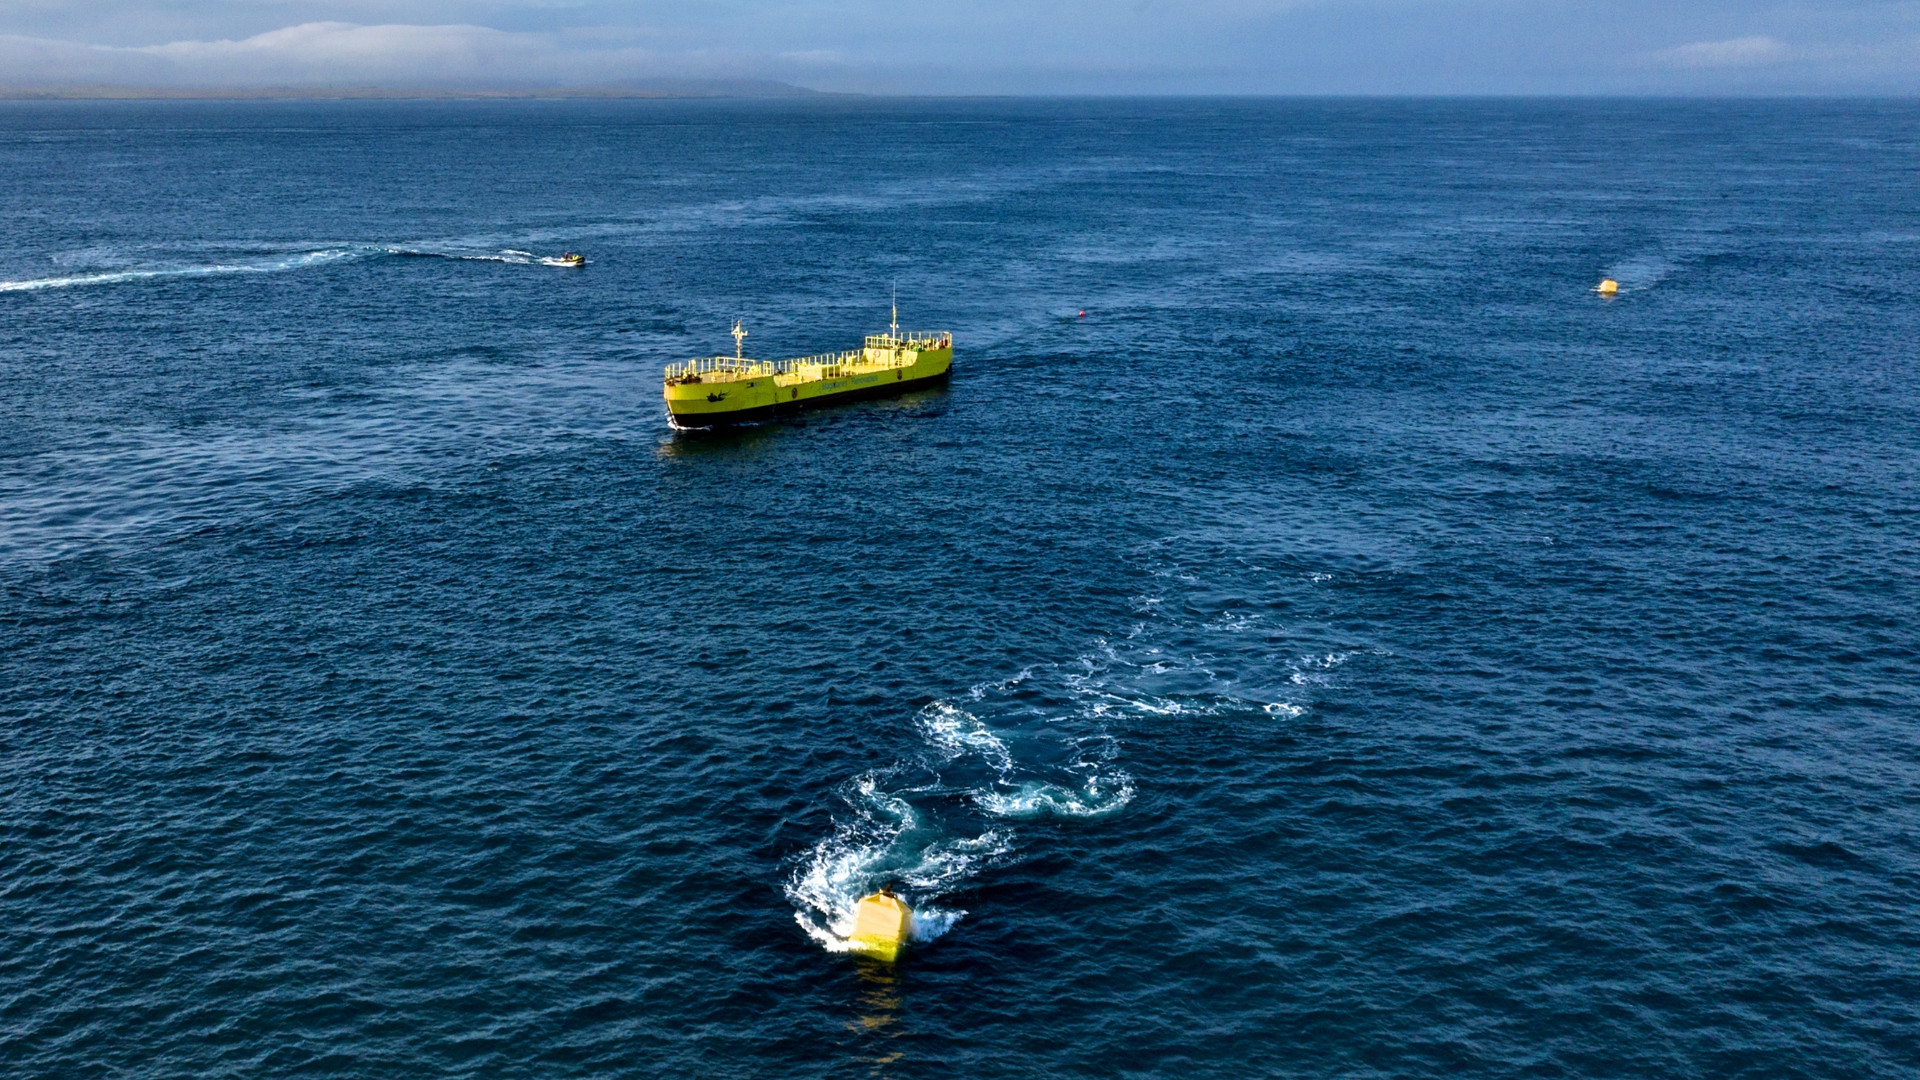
(912, 339)
(821, 360)
(828, 365)
(724, 367)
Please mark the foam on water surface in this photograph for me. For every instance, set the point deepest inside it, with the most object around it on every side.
(1010, 759)
(173, 270)
(277, 264)
(1037, 799)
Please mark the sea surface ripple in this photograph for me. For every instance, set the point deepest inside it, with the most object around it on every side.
(1314, 634)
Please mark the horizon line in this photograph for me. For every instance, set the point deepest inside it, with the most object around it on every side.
(767, 89)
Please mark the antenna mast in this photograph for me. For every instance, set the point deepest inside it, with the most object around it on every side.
(739, 340)
(896, 310)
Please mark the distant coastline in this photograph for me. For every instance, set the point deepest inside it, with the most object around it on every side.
(714, 88)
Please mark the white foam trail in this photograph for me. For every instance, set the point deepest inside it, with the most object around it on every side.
(507, 255)
(886, 841)
(928, 853)
(513, 256)
(1039, 749)
(115, 277)
(1037, 799)
(277, 264)
(1640, 272)
(930, 923)
(957, 732)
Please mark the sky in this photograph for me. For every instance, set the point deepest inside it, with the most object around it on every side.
(979, 47)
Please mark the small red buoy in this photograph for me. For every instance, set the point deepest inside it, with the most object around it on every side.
(1083, 314)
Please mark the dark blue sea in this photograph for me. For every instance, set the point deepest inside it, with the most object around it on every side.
(1313, 635)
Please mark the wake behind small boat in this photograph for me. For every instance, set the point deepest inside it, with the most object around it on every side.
(724, 390)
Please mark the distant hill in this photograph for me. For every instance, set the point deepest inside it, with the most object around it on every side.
(650, 88)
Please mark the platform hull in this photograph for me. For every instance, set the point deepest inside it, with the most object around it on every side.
(745, 399)
(702, 420)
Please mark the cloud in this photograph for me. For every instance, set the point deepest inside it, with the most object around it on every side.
(344, 51)
(339, 53)
(340, 41)
(989, 46)
(1732, 53)
(816, 56)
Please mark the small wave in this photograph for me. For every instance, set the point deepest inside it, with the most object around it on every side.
(1317, 670)
(931, 923)
(1036, 799)
(1233, 622)
(957, 732)
(116, 277)
(1113, 705)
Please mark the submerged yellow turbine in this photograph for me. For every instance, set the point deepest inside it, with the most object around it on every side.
(881, 924)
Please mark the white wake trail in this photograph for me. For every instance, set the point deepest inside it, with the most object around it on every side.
(116, 277)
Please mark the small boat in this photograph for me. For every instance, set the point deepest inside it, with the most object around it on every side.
(568, 258)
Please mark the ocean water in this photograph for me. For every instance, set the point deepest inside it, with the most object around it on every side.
(1314, 634)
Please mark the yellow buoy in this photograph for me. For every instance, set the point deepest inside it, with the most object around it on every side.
(881, 923)
(1607, 287)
